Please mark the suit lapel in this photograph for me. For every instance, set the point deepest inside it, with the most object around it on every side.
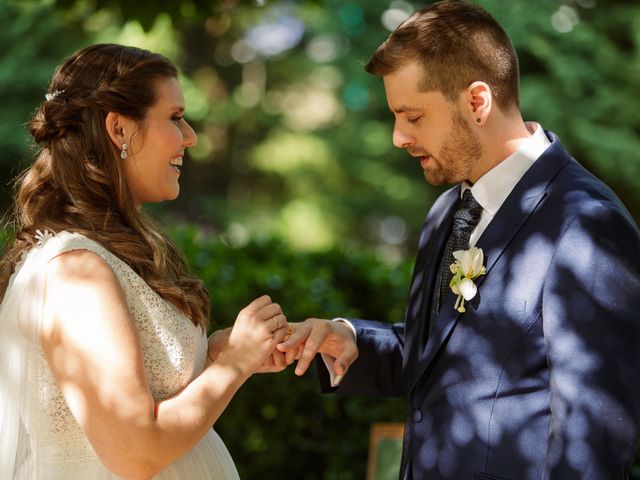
(520, 204)
(510, 218)
(432, 240)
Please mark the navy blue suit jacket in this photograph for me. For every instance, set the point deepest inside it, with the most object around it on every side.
(539, 379)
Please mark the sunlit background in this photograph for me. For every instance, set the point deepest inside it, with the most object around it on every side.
(295, 138)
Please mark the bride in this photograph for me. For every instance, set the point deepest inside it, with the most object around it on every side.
(105, 368)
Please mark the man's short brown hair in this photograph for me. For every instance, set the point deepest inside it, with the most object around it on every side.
(456, 43)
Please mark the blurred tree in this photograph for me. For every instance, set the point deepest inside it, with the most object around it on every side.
(295, 138)
(580, 63)
(30, 39)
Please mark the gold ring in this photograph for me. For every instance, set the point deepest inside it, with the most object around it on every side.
(275, 319)
(290, 330)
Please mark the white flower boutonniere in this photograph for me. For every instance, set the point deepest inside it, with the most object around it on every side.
(467, 267)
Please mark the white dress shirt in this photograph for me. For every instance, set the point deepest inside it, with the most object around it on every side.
(493, 188)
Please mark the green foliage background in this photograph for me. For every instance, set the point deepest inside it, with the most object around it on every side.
(278, 425)
(295, 144)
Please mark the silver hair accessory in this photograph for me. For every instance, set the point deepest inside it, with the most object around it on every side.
(123, 152)
(52, 95)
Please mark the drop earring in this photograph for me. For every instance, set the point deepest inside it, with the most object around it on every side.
(123, 151)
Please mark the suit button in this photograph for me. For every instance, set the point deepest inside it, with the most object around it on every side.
(417, 415)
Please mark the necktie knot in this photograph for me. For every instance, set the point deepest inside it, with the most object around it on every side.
(467, 215)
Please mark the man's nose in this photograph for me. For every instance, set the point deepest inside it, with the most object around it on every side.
(402, 139)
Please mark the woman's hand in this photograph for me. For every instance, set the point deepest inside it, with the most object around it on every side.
(276, 362)
(253, 338)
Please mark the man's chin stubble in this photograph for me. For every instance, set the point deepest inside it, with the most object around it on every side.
(435, 179)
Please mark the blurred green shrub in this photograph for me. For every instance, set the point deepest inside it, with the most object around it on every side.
(279, 425)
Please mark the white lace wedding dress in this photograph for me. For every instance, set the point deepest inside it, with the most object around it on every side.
(39, 438)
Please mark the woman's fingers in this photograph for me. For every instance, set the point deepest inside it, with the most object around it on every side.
(293, 354)
(258, 303)
(277, 322)
(269, 310)
(259, 328)
(278, 360)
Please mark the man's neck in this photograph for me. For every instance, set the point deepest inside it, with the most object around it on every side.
(500, 137)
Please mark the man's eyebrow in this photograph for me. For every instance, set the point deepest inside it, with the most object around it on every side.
(407, 109)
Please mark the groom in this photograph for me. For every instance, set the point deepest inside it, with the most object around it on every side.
(538, 378)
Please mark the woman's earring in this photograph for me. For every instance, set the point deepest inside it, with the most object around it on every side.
(123, 151)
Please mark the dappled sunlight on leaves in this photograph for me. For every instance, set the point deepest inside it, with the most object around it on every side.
(287, 153)
(306, 226)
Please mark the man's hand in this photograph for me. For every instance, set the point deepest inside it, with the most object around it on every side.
(314, 335)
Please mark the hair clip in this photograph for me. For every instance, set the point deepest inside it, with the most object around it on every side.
(52, 95)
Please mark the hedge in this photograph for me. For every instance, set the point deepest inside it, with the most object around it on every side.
(279, 426)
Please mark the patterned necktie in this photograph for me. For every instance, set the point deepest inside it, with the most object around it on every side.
(465, 219)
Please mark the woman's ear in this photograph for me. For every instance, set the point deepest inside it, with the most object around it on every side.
(117, 128)
(479, 101)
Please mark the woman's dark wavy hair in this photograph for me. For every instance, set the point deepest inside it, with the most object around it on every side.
(77, 182)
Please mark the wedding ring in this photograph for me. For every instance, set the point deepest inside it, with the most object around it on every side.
(290, 330)
(275, 319)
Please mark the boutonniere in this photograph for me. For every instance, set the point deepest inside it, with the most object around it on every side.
(467, 267)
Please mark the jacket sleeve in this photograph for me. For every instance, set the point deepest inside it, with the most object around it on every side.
(378, 369)
(591, 321)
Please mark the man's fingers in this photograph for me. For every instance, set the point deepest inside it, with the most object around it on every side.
(290, 356)
(298, 335)
(345, 360)
(311, 347)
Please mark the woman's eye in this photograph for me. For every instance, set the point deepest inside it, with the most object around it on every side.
(414, 119)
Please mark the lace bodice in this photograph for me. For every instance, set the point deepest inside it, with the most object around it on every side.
(174, 352)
